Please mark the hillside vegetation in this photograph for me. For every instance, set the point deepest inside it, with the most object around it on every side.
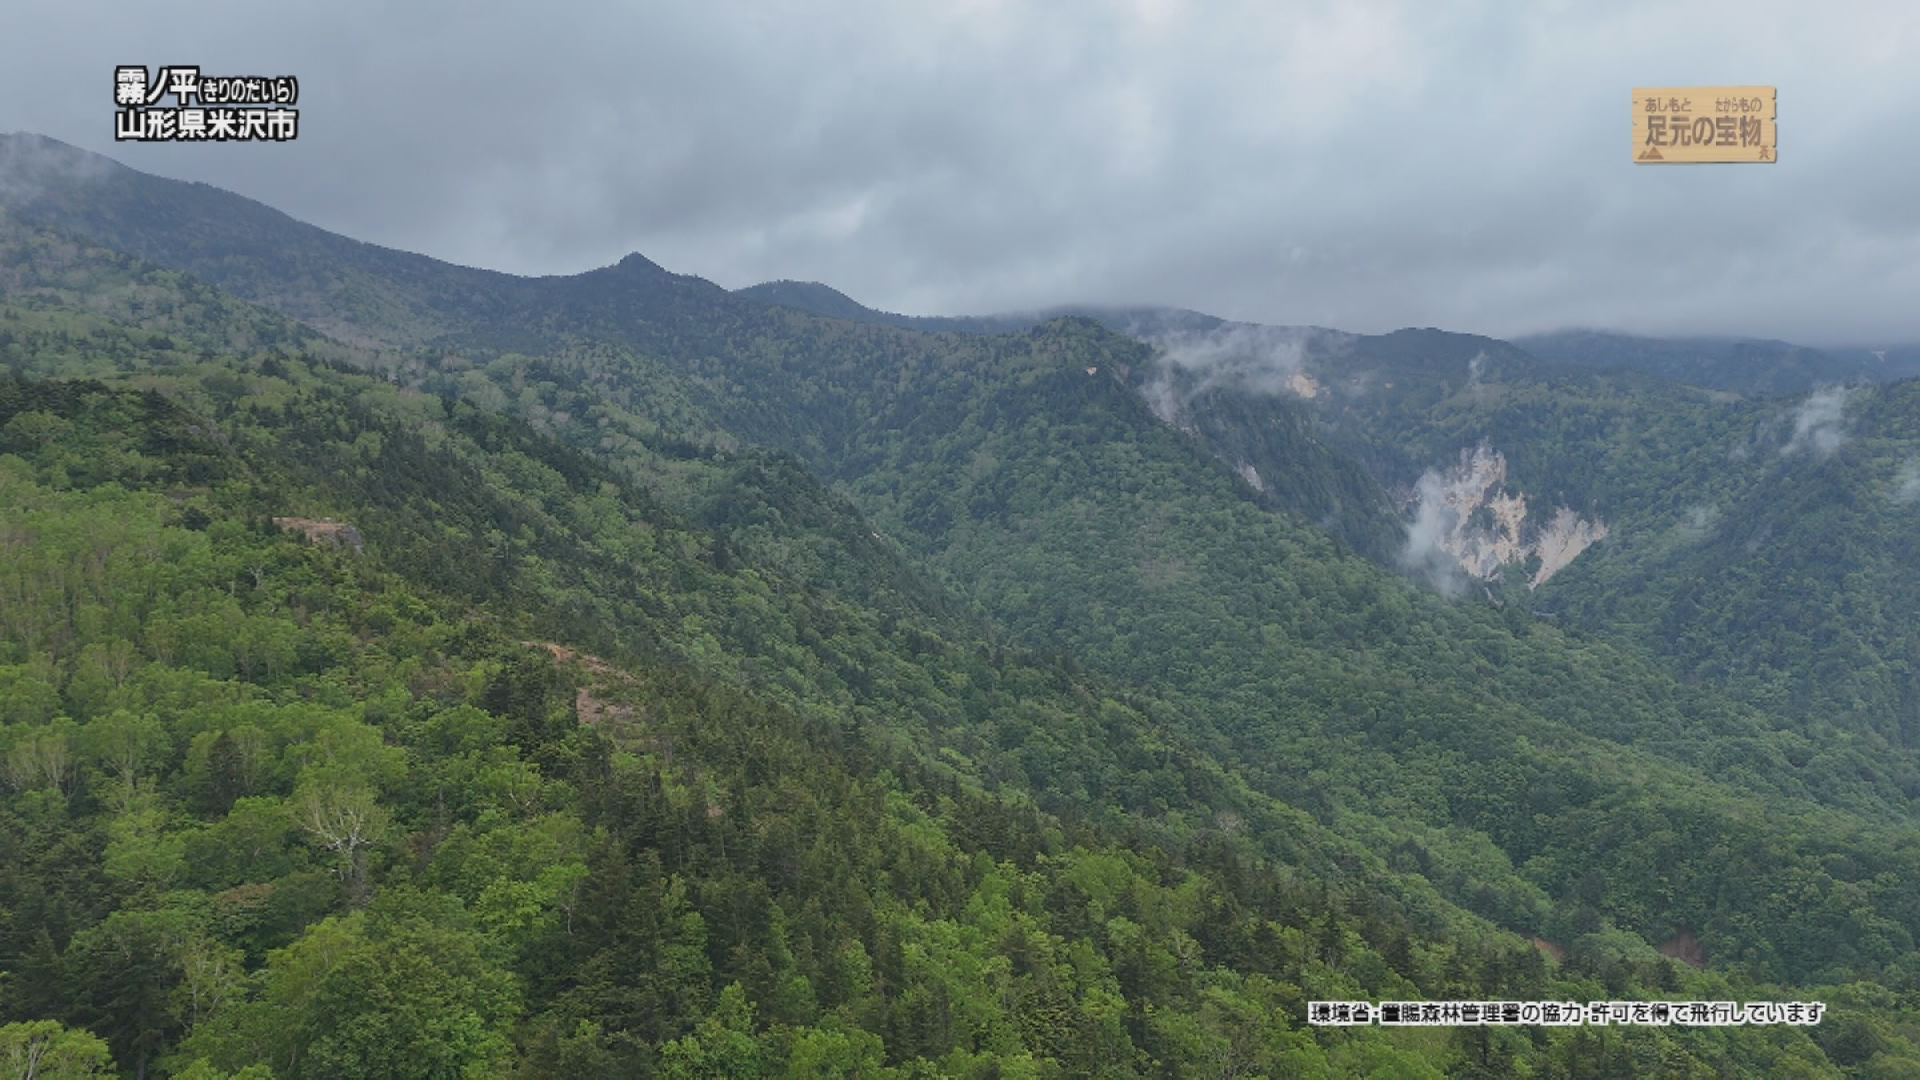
(615, 675)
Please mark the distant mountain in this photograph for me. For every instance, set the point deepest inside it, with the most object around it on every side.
(1757, 542)
(546, 763)
(1355, 435)
(1138, 320)
(349, 289)
(1139, 716)
(811, 296)
(1743, 365)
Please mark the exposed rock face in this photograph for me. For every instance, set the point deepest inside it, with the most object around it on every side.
(337, 533)
(1468, 513)
(1301, 384)
(1564, 538)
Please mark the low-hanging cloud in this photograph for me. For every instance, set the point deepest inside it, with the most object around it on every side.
(1906, 482)
(1265, 360)
(1819, 422)
(1321, 162)
(1426, 553)
(33, 168)
(1698, 522)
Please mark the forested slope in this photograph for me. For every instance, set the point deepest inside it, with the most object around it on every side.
(711, 686)
(336, 810)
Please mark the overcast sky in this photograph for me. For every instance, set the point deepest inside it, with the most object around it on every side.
(1352, 164)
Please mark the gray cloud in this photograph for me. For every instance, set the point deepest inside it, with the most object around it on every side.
(1426, 552)
(1241, 356)
(1699, 522)
(1906, 482)
(1336, 162)
(1819, 422)
(31, 170)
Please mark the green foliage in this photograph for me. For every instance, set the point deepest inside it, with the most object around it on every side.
(975, 723)
(46, 1049)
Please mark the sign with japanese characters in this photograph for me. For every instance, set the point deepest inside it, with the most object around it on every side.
(1687, 125)
(234, 108)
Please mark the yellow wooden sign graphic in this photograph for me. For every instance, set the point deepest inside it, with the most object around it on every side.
(1691, 124)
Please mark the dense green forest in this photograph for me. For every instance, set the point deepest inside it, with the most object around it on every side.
(616, 675)
(272, 803)
(618, 353)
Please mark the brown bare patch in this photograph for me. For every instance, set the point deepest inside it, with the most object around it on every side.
(563, 655)
(593, 710)
(1553, 949)
(1685, 948)
(324, 531)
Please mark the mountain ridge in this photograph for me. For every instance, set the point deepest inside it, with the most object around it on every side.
(1199, 680)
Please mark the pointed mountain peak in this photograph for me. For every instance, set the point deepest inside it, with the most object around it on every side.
(637, 263)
